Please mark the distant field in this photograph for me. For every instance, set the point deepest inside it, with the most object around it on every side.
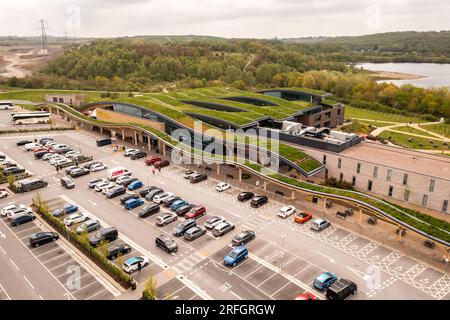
(412, 130)
(442, 129)
(375, 123)
(38, 95)
(418, 143)
(352, 112)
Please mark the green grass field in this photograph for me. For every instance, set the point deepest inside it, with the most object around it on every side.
(375, 123)
(408, 129)
(418, 143)
(441, 128)
(352, 112)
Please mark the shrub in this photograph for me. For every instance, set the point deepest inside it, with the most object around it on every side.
(335, 183)
(149, 292)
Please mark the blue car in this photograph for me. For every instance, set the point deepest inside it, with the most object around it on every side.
(235, 256)
(178, 204)
(135, 185)
(325, 280)
(133, 203)
(67, 209)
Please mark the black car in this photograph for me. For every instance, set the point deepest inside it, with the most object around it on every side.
(23, 142)
(119, 250)
(341, 290)
(243, 238)
(128, 181)
(44, 140)
(13, 170)
(79, 172)
(149, 210)
(22, 218)
(39, 238)
(153, 193)
(68, 169)
(40, 154)
(92, 183)
(166, 243)
(258, 201)
(32, 184)
(199, 177)
(116, 191)
(245, 196)
(184, 226)
(138, 155)
(181, 211)
(168, 201)
(90, 164)
(127, 197)
(107, 235)
(143, 192)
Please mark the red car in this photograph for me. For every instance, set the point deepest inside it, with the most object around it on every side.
(161, 164)
(195, 212)
(41, 149)
(151, 160)
(306, 296)
(302, 217)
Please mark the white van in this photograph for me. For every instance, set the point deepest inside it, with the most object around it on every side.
(114, 173)
(31, 146)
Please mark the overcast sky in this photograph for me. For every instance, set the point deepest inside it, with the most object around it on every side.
(227, 18)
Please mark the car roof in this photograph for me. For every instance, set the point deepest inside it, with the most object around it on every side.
(134, 260)
(319, 220)
(324, 276)
(239, 249)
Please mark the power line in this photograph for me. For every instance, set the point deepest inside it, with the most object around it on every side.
(43, 26)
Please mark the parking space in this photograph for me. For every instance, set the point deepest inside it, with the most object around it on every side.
(175, 290)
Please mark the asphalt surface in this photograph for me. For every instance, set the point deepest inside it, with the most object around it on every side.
(278, 267)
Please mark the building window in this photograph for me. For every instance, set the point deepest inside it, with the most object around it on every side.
(445, 206)
(324, 159)
(339, 112)
(353, 181)
(424, 200)
(55, 99)
(389, 175)
(339, 163)
(369, 185)
(341, 176)
(375, 172)
(405, 179)
(431, 189)
(61, 100)
(391, 191)
(406, 195)
(358, 168)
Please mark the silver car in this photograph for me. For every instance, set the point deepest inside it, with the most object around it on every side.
(222, 228)
(194, 233)
(213, 221)
(88, 226)
(165, 219)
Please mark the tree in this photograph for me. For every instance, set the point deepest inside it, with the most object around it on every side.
(149, 292)
(232, 74)
(266, 72)
(239, 84)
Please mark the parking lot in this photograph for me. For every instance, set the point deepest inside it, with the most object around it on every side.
(285, 257)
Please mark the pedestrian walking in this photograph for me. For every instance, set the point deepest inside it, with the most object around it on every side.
(139, 266)
(159, 169)
(153, 171)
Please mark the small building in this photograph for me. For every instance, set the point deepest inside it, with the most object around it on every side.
(74, 100)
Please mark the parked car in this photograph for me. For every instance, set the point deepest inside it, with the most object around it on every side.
(194, 233)
(161, 197)
(97, 167)
(115, 192)
(16, 211)
(94, 182)
(223, 186)
(199, 177)
(104, 142)
(118, 250)
(23, 142)
(31, 146)
(67, 183)
(107, 235)
(3, 194)
(258, 201)
(196, 212)
(135, 185)
(75, 218)
(99, 186)
(128, 152)
(133, 203)
(91, 164)
(13, 171)
(177, 204)
(70, 168)
(126, 180)
(167, 202)
(213, 221)
(243, 238)
(40, 238)
(40, 154)
(22, 218)
(184, 226)
(151, 160)
(222, 228)
(166, 243)
(161, 164)
(115, 173)
(49, 156)
(302, 217)
(306, 296)
(138, 155)
(320, 224)
(72, 154)
(286, 211)
(324, 280)
(127, 197)
(146, 190)
(153, 193)
(148, 210)
(79, 172)
(31, 184)
(187, 174)
(66, 209)
(7, 208)
(341, 290)
(235, 256)
(165, 219)
(89, 225)
(181, 211)
(108, 188)
(132, 264)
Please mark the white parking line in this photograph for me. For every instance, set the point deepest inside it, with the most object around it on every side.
(234, 294)
(3, 250)
(26, 279)
(15, 266)
(6, 293)
(95, 294)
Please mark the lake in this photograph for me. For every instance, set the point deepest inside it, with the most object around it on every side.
(434, 74)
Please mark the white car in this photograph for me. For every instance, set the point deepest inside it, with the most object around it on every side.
(132, 264)
(10, 207)
(121, 179)
(61, 162)
(222, 186)
(31, 146)
(99, 186)
(75, 218)
(286, 211)
(161, 197)
(98, 167)
(6, 107)
(108, 188)
(3, 194)
(189, 173)
(13, 212)
(129, 152)
(56, 159)
(72, 154)
(49, 156)
(50, 143)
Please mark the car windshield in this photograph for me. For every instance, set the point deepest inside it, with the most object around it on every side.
(233, 254)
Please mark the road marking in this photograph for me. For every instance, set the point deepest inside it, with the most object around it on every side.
(41, 297)
(234, 294)
(31, 163)
(15, 266)
(328, 257)
(92, 202)
(2, 235)
(6, 293)
(359, 273)
(26, 279)
(4, 252)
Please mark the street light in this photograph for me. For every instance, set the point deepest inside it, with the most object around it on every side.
(283, 237)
